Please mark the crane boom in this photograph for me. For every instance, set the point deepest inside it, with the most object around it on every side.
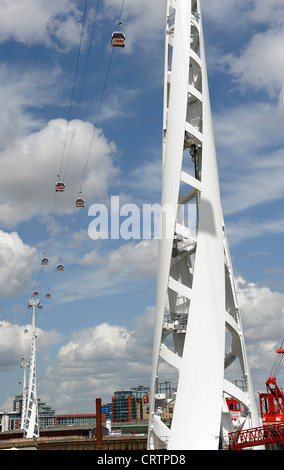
(277, 361)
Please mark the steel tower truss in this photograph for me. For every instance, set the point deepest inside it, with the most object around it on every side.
(198, 332)
(31, 427)
(24, 365)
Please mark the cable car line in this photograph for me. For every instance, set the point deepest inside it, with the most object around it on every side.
(82, 86)
(56, 198)
(87, 159)
(80, 98)
(79, 202)
(67, 127)
(74, 84)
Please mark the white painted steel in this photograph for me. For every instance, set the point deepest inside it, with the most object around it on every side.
(196, 303)
(31, 427)
(24, 365)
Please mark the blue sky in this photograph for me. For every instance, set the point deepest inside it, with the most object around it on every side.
(95, 333)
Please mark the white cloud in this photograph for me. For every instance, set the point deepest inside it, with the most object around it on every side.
(147, 177)
(15, 343)
(98, 361)
(262, 316)
(255, 186)
(25, 88)
(264, 12)
(249, 141)
(248, 228)
(40, 22)
(102, 359)
(30, 190)
(222, 10)
(261, 64)
(262, 311)
(130, 260)
(17, 261)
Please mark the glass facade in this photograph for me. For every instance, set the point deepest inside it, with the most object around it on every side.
(123, 406)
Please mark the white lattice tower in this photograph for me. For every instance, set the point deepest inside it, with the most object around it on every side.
(24, 365)
(31, 427)
(198, 333)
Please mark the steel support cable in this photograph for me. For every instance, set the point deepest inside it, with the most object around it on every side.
(96, 122)
(74, 85)
(87, 159)
(94, 131)
(77, 113)
(56, 199)
(67, 127)
(56, 206)
(82, 86)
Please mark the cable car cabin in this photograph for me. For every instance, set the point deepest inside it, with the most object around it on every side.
(48, 295)
(60, 267)
(59, 187)
(79, 202)
(35, 294)
(234, 408)
(118, 39)
(44, 261)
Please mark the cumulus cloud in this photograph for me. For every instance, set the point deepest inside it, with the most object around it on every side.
(262, 311)
(129, 260)
(221, 10)
(100, 360)
(267, 12)
(37, 159)
(260, 65)
(15, 343)
(40, 22)
(23, 88)
(141, 259)
(262, 315)
(17, 261)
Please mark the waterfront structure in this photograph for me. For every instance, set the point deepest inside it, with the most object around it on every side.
(198, 331)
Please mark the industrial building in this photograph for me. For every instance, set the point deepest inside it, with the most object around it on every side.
(127, 406)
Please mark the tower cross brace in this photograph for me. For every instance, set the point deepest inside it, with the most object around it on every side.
(198, 332)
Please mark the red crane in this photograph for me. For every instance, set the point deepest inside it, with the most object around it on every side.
(272, 414)
(272, 401)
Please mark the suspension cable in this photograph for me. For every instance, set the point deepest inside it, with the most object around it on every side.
(55, 207)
